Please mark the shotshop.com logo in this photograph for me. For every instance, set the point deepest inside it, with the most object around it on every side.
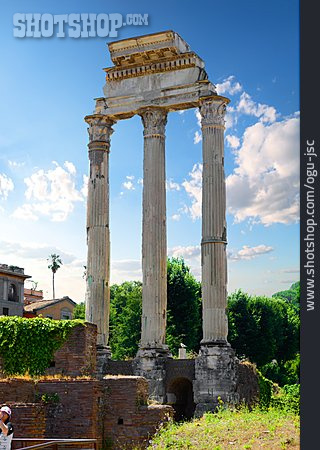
(73, 25)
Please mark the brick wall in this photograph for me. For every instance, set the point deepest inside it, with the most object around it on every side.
(29, 419)
(78, 354)
(112, 410)
(126, 419)
(76, 413)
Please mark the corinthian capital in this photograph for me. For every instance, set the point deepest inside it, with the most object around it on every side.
(100, 128)
(154, 121)
(212, 111)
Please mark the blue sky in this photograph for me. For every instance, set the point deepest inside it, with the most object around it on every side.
(251, 52)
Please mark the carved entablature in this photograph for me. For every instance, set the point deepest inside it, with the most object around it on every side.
(151, 66)
(212, 110)
(100, 128)
(154, 121)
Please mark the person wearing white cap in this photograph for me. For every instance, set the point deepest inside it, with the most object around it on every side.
(6, 428)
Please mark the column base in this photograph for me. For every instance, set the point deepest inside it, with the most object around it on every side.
(103, 355)
(215, 377)
(150, 363)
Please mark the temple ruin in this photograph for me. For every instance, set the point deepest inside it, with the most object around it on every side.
(152, 76)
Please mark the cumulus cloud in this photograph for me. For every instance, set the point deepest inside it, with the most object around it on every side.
(34, 251)
(233, 141)
(15, 164)
(50, 193)
(6, 186)
(248, 106)
(187, 252)
(193, 188)
(84, 189)
(172, 185)
(176, 217)
(265, 183)
(191, 254)
(197, 137)
(229, 86)
(125, 270)
(247, 252)
(128, 184)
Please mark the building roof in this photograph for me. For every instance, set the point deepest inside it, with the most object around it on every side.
(13, 270)
(33, 292)
(42, 304)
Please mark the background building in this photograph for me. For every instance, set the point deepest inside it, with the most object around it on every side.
(59, 308)
(12, 280)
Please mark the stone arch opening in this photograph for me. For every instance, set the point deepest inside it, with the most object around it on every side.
(180, 397)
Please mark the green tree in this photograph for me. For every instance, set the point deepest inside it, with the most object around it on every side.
(184, 307)
(262, 328)
(79, 311)
(125, 319)
(291, 295)
(55, 264)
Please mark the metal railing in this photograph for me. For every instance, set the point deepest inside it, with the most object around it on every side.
(51, 443)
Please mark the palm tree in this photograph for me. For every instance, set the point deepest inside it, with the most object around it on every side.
(55, 264)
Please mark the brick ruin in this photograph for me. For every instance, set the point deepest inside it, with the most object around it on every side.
(74, 401)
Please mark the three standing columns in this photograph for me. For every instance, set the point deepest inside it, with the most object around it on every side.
(154, 235)
(213, 244)
(98, 234)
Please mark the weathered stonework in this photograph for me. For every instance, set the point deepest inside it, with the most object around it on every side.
(151, 364)
(215, 376)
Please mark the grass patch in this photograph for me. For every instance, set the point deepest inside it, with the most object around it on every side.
(238, 429)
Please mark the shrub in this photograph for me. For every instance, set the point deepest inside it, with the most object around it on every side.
(28, 345)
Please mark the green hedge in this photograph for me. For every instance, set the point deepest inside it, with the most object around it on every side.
(265, 388)
(27, 346)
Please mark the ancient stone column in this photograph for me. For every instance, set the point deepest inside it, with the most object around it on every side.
(216, 365)
(213, 244)
(98, 235)
(154, 235)
(153, 352)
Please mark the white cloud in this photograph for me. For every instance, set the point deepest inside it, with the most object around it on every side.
(25, 212)
(229, 86)
(193, 188)
(233, 141)
(125, 270)
(197, 137)
(70, 167)
(191, 255)
(265, 183)
(6, 186)
(15, 164)
(172, 185)
(248, 106)
(247, 252)
(291, 270)
(140, 181)
(128, 185)
(50, 193)
(33, 258)
(188, 252)
(84, 189)
(176, 217)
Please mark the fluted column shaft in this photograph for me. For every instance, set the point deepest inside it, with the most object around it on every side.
(213, 245)
(98, 234)
(154, 236)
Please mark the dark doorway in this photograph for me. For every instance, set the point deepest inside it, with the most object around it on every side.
(180, 393)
